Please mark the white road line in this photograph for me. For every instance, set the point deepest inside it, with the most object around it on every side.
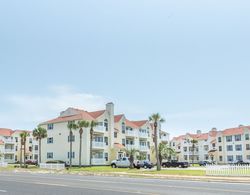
(50, 184)
(3, 191)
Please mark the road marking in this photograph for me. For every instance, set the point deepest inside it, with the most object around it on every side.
(3, 191)
(50, 184)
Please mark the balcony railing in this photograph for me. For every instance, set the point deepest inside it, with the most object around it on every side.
(98, 161)
(9, 141)
(131, 146)
(9, 151)
(143, 135)
(164, 138)
(97, 144)
(100, 129)
(143, 148)
(131, 133)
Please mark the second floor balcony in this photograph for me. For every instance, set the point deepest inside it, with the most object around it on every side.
(98, 145)
(130, 133)
(9, 151)
(143, 148)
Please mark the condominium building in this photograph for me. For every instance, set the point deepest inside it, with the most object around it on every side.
(112, 135)
(10, 145)
(225, 146)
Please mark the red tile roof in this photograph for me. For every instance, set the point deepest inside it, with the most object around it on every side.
(140, 123)
(117, 118)
(130, 124)
(233, 131)
(1, 142)
(119, 146)
(5, 132)
(96, 114)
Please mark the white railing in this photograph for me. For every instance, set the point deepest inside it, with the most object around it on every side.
(143, 135)
(99, 128)
(9, 150)
(52, 166)
(9, 141)
(97, 144)
(98, 161)
(131, 133)
(164, 138)
(129, 146)
(3, 164)
(228, 170)
(143, 148)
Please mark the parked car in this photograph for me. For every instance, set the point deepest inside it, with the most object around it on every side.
(240, 162)
(146, 164)
(175, 164)
(123, 163)
(205, 162)
(58, 162)
(31, 162)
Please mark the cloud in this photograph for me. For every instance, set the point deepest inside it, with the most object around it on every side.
(28, 110)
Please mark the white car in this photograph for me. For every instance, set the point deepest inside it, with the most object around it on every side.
(123, 162)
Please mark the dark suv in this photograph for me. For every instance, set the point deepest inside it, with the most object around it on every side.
(175, 164)
(146, 164)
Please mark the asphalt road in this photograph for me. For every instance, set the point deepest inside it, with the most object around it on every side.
(43, 184)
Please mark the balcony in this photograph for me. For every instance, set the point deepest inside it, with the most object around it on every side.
(143, 135)
(130, 133)
(97, 145)
(143, 148)
(9, 141)
(99, 129)
(9, 151)
(130, 146)
(164, 138)
(98, 161)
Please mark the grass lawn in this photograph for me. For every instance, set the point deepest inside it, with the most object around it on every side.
(107, 169)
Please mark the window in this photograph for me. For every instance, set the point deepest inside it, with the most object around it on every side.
(238, 157)
(206, 147)
(106, 156)
(30, 148)
(220, 158)
(229, 147)
(230, 158)
(106, 141)
(248, 157)
(50, 126)
(247, 146)
(72, 154)
(36, 147)
(123, 142)
(30, 140)
(238, 147)
(220, 148)
(229, 138)
(16, 148)
(185, 157)
(179, 147)
(16, 138)
(185, 149)
(49, 155)
(50, 140)
(106, 124)
(213, 145)
(115, 134)
(219, 139)
(237, 137)
(98, 139)
(123, 128)
(72, 138)
(36, 156)
(206, 157)
(247, 137)
(173, 143)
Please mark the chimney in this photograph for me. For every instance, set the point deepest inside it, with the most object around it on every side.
(110, 110)
(198, 132)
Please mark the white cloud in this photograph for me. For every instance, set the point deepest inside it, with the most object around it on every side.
(28, 110)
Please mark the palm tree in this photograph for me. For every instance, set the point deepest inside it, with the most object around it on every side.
(156, 119)
(81, 124)
(23, 136)
(165, 152)
(193, 142)
(92, 125)
(71, 125)
(39, 133)
(131, 154)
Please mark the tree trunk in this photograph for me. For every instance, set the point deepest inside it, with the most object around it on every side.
(131, 159)
(24, 152)
(80, 151)
(91, 137)
(156, 148)
(21, 154)
(70, 149)
(40, 151)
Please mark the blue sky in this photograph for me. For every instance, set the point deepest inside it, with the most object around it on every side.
(188, 60)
